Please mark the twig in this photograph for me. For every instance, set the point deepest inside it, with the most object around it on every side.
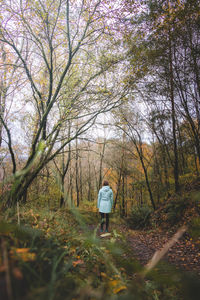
(18, 216)
(160, 253)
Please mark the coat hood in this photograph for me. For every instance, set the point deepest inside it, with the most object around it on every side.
(106, 188)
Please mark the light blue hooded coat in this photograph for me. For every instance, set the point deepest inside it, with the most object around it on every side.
(105, 199)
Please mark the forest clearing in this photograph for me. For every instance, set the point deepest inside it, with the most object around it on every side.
(99, 149)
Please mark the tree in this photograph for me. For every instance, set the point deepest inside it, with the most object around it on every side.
(166, 64)
(131, 131)
(64, 166)
(55, 43)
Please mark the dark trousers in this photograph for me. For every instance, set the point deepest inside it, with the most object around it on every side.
(103, 222)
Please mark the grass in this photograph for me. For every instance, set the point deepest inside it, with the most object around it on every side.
(58, 255)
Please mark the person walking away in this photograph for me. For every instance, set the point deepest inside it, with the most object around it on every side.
(104, 204)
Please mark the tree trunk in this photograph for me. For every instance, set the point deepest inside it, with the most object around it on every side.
(196, 165)
(183, 165)
(71, 185)
(173, 116)
(89, 179)
(148, 184)
(101, 164)
(140, 154)
(80, 181)
(3, 90)
(62, 192)
(77, 177)
(141, 196)
(118, 188)
(123, 194)
(166, 175)
(20, 186)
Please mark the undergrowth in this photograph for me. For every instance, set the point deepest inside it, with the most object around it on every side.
(179, 209)
(59, 255)
(140, 217)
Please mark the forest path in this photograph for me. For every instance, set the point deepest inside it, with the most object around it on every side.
(185, 254)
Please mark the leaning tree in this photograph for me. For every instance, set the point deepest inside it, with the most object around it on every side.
(65, 57)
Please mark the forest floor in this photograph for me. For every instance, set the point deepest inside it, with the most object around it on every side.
(61, 254)
(142, 245)
(184, 254)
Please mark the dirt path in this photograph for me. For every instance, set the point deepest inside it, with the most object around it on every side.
(185, 254)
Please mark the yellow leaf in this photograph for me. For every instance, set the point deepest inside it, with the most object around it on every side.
(119, 289)
(103, 275)
(114, 283)
(23, 253)
(22, 250)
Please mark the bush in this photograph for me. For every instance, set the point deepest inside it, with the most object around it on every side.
(140, 217)
(175, 210)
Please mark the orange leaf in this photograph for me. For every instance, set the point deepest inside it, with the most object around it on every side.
(22, 250)
(2, 268)
(17, 273)
(77, 262)
(113, 283)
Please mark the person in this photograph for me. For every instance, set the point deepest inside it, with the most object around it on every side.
(104, 204)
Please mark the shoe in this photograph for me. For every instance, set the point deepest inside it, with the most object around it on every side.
(106, 230)
(101, 230)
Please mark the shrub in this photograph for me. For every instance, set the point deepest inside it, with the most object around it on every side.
(140, 217)
(175, 210)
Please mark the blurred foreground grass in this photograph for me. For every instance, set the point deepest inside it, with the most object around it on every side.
(59, 255)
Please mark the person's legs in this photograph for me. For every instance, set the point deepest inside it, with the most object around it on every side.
(102, 221)
(107, 221)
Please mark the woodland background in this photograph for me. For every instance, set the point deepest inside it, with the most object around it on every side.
(94, 90)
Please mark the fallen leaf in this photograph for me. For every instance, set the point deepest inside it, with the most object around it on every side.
(119, 289)
(2, 268)
(103, 274)
(114, 283)
(17, 273)
(23, 253)
(77, 262)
